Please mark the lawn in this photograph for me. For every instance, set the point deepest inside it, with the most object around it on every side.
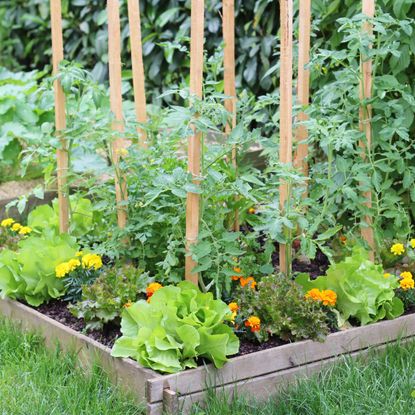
(36, 381)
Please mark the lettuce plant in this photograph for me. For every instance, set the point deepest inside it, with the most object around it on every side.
(29, 273)
(362, 290)
(179, 325)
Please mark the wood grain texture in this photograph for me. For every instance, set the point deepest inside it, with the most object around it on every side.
(365, 117)
(286, 100)
(114, 61)
(138, 68)
(194, 142)
(124, 372)
(60, 116)
(281, 358)
(229, 78)
(303, 85)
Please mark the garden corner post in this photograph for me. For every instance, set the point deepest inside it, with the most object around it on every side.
(229, 77)
(60, 115)
(303, 85)
(114, 59)
(368, 9)
(286, 100)
(194, 143)
(138, 68)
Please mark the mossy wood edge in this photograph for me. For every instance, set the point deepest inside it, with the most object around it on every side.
(258, 374)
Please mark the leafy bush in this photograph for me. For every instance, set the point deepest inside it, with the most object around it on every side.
(280, 304)
(29, 273)
(104, 300)
(362, 290)
(178, 325)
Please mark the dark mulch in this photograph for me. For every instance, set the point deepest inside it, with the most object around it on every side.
(57, 310)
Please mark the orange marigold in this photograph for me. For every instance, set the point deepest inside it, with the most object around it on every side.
(249, 280)
(152, 288)
(233, 307)
(254, 323)
(327, 297)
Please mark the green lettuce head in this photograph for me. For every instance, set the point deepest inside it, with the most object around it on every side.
(179, 325)
(362, 290)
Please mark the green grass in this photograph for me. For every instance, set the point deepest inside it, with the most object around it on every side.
(381, 385)
(35, 381)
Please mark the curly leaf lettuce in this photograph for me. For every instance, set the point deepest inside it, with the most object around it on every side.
(179, 325)
(362, 290)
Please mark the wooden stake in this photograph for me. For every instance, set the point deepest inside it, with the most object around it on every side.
(138, 67)
(60, 116)
(303, 86)
(194, 145)
(365, 115)
(286, 82)
(114, 58)
(229, 76)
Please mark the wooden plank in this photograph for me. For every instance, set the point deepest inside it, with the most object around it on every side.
(194, 143)
(282, 357)
(286, 99)
(124, 372)
(114, 60)
(365, 116)
(303, 85)
(229, 78)
(264, 387)
(60, 116)
(138, 68)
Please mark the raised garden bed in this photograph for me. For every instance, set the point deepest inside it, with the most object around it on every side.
(259, 374)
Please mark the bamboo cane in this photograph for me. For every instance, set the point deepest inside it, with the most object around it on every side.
(60, 116)
(286, 74)
(114, 59)
(365, 116)
(229, 77)
(303, 86)
(138, 67)
(194, 144)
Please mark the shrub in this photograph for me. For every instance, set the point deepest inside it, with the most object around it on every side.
(177, 326)
(104, 300)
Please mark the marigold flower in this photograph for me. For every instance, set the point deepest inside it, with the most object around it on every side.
(406, 274)
(233, 307)
(343, 239)
(252, 211)
(237, 270)
(79, 253)
(128, 304)
(249, 280)
(314, 294)
(25, 230)
(397, 249)
(254, 323)
(92, 261)
(407, 284)
(62, 269)
(16, 227)
(73, 264)
(152, 288)
(412, 243)
(6, 223)
(327, 297)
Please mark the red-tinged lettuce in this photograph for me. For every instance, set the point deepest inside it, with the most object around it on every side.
(179, 325)
(362, 290)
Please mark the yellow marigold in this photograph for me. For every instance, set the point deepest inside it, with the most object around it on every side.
(314, 294)
(152, 288)
(79, 253)
(252, 211)
(397, 249)
(386, 275)
(407, 283)
(412, 243)
(5, 223)
(73, 264)
(254, 323)
(25, 230)
(329, 298)
(233, 307)
(16, 227)
(406, 274)
(62, 269)
(249, 280)
(92, 261)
